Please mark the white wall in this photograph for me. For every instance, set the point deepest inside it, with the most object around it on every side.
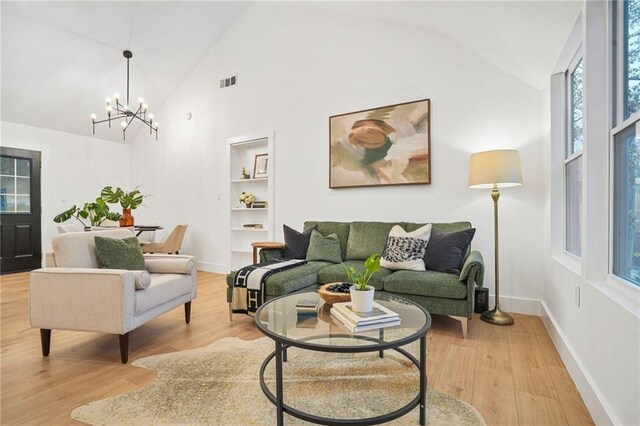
(599, 340)
(74, 168)
(296, 67)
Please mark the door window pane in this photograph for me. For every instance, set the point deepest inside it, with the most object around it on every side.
(23, 167)
(23, 203)
(631, 57)
(6, 166)
(23, 186)
(626, 198)
(573, 207)
(576, 108)
(8, 185)
(7, 203)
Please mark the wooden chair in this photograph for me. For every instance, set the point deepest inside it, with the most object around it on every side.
(171, 245)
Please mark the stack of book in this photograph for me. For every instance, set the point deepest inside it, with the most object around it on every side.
(355, 321)
(307, 312)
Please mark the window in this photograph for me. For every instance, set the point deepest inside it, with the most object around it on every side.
(625, 256)
(15, 185)
(573, 159)
(631, 56)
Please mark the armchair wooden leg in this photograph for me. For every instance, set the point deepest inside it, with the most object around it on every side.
(463, 322)
(230, 313)
(45, 339)
(187, 312)
(124, 347)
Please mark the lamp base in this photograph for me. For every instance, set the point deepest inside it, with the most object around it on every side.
(497, 317)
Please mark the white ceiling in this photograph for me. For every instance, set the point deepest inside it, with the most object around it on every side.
(61, 59)
(524, 38)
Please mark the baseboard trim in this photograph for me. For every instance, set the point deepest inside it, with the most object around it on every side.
(518, 305)
(212, 267)
(594, 399)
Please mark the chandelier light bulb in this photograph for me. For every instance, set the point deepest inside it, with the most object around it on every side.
(93, 117)
(116, 96)
(109, 109)
(140, 101)
(108, 100)
(155, 125)
(151, 117)
(144, 107)
(123, 124)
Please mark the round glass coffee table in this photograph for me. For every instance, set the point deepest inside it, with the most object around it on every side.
(289, 322)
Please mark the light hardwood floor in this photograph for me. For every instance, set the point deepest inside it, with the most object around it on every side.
(512, 375)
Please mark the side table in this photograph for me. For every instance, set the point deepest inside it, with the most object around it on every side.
(264, 245)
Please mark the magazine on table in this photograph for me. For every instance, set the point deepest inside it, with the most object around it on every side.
(376, 315)
(385, 322)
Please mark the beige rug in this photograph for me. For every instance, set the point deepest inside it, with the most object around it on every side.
(218, 385)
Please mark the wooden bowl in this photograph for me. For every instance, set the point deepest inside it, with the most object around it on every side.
(331, 297)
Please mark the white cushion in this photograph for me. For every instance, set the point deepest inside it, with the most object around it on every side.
(405, 250)
(143, 279)
(78, 250)
(167, 265)
(163, 288)
(69, 227)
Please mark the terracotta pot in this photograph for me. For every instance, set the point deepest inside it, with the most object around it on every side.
(126, 219)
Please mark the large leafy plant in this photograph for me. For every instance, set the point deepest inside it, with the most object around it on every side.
(95, 212)
(128, 200)
(360, 279)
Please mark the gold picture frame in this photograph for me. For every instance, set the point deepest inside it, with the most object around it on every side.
(260, 166)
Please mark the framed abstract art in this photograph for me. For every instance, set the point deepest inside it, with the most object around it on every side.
(388, 145)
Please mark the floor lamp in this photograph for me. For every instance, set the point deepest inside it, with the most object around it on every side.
(495, 170)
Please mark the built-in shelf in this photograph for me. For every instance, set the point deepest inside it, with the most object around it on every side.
(242, 152)
(265, 180)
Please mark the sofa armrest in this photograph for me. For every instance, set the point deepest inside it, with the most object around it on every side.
(84, 299)
(170, 264)
(271, 254)
(473, 269)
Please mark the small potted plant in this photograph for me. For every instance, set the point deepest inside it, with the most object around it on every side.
(247, 198)
(128, 201)
(361, 292)
(95, 212)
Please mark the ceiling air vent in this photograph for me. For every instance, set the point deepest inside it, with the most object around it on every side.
(229, 81)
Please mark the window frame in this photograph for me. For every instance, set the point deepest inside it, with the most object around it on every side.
(569, 157)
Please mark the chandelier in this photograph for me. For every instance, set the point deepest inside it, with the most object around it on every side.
(117, 110)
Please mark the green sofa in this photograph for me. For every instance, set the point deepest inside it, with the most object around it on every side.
(439, 293)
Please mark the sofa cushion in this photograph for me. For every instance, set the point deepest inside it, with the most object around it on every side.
(446, 251)
(426, 283)
(366, 238)
(439, 227)
(324, 248)
(119, 253)
(296, 243)
(78, 249)
(336, 273)
(341, 229)
(290, 280)
(163, 288)
(405, 250)
(294, 279)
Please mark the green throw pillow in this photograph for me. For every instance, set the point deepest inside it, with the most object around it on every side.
(116, 253)
(324, 248)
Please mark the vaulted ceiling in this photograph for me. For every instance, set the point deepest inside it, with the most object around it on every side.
(61, 59)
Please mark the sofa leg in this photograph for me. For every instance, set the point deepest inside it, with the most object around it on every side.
(45, 339)
(187, 312)
(230, 313)
(124, 347)
(463, 322)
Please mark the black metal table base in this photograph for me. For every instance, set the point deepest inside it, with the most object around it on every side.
(278, 400)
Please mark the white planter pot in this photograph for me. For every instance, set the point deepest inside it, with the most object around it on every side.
(362, 300)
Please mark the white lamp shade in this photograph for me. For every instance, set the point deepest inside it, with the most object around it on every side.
(499, 168)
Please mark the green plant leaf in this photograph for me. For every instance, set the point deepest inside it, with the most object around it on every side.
(65, 215)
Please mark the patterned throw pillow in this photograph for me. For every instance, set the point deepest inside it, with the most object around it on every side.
(405, 250)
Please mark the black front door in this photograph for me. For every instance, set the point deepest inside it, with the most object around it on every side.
(20, 211)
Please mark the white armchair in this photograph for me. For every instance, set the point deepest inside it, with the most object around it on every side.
(73, 293)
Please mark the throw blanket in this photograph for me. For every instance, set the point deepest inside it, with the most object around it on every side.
(248, 284)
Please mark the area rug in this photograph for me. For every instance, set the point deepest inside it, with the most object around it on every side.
(218, 385)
